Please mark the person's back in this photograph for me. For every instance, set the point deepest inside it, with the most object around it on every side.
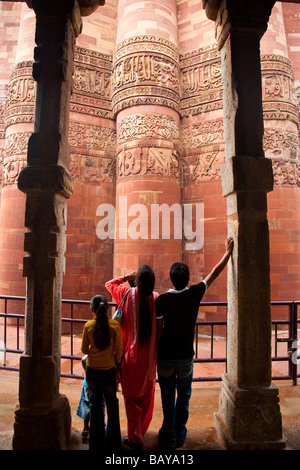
(179, 310)
(138, 368)
(101, 341)
(176, 314)
(102, 358)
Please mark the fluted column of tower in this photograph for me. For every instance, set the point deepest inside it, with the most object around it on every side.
(10, 13)
(145, 100)
(19, 111)
(202, 146)
(281, 144)
(92, 138)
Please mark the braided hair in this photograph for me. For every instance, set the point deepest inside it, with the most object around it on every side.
(99, 307)
(145, 284)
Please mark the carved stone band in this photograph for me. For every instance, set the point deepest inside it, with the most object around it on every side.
(146, 71)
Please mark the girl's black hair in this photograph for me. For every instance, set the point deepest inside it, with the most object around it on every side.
(145, 284)
(101, 332)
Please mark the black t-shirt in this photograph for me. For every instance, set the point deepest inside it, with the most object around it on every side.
(179, 310)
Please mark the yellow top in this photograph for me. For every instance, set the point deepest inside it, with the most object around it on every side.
(110, 356)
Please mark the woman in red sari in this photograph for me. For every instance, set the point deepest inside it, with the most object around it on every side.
(138, 367)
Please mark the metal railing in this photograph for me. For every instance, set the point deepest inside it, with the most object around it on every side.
(284, 332)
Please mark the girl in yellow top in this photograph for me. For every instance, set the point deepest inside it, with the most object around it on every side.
(101, 341)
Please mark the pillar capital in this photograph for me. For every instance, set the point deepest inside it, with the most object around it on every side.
(212, 8)
(49, 10)
(87, 7)
(47, 178)
(247, 174)
(241, 16)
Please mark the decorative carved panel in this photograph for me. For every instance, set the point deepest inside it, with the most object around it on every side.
(145, 126)
(201, 147)
(148, 160)
(20, 95)
(87, 136)
(201, 167)
(201, 81)
(92, 169)
(92, 152)
(279, 102)
(14, 156)
(145, 71)
(92, 83)
(202, 133)
(282, 146)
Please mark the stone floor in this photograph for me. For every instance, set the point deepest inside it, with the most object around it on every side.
(204, 403)
(201, 431)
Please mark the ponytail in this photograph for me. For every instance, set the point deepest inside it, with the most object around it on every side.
(145, 284)
(145, 324)
(101, 332)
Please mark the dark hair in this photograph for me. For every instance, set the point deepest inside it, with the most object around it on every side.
(101, 332)
(180, 275)
(145, 281)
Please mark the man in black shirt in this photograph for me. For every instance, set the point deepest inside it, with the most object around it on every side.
(176, 314)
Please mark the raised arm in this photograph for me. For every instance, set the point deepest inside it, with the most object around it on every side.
(117, 288)
(216, 271)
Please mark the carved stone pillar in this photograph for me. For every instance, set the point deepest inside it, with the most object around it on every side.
(249, 415)
(43, 420)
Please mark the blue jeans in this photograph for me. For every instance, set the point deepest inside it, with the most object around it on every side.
(172, 375)
(103, 383)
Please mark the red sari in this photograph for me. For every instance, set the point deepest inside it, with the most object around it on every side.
(138, 367)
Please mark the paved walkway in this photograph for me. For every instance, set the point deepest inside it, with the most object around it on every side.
(201, 431)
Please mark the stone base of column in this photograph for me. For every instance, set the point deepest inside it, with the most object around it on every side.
(249, 419)
(43, 429)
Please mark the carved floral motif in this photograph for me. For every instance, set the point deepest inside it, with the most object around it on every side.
(282, 146)
(11, 170)
(88, 143)
(13, 156)
(202, 133)
(143, 126)
(204, 166)
(92, 169)
(92, 137)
